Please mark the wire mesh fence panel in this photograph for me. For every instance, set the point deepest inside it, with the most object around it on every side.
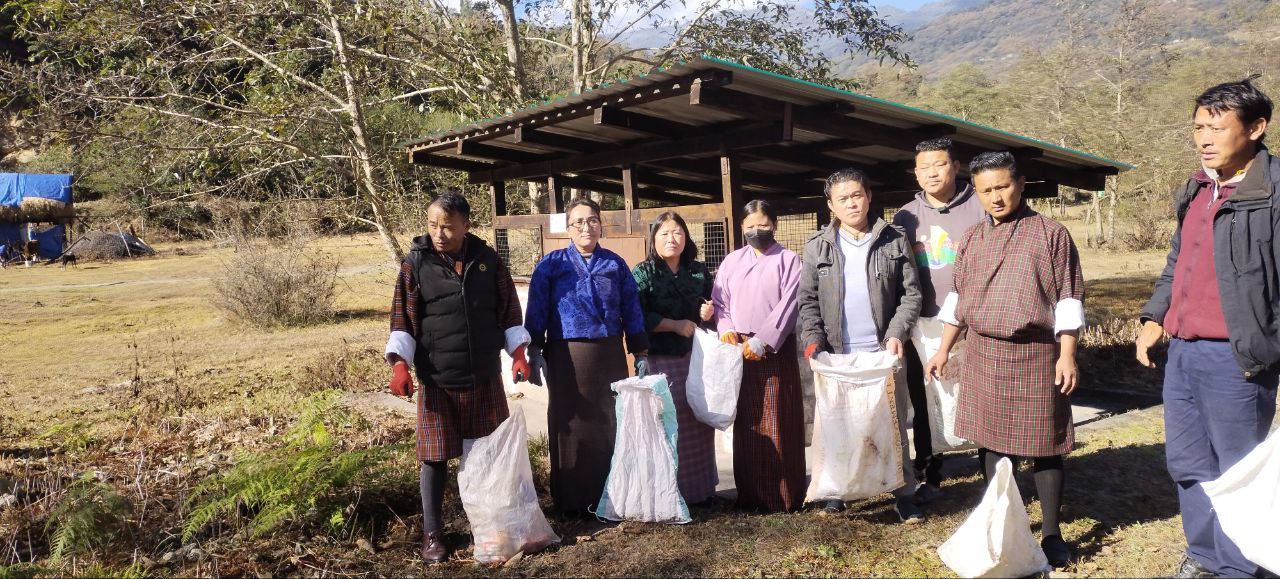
(519, 248)
(794, 230)
(712, 246)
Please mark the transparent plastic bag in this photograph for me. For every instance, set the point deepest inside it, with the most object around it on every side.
(715, 376)
(642, 483)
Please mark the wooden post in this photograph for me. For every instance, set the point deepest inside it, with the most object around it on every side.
(555, 202)
(731, 190)
(629, 199)
(498, 197)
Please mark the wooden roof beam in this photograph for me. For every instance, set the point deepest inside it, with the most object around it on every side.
(533, 137)
(757, 135)
(646, 178)
(430, 160)
(470, 148)
(619, 118)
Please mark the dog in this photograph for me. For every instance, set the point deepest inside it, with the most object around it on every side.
(65, 259)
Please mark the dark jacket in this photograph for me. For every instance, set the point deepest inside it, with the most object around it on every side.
(460, 335)
(1245, 261)
(891, 274)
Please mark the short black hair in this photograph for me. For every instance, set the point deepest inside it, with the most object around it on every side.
(845, 175)
(1249, 103)
(583, 201)
(993, 160)
(938, 144)
(453, 203)
(760, 206)
(690, 252)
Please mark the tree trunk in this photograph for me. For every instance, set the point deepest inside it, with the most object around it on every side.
(578, 40)
(1097, 218)
(537, 199)
(364, 173)
(515, 62)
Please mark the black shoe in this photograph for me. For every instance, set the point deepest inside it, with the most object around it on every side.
(832, 507)
(433, 549)
(1189, 568)
(1057, 551)
(928, 493)
(907, 511)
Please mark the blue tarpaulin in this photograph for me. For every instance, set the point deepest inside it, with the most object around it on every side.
(51, 241)
(15, 186)
(10, 234)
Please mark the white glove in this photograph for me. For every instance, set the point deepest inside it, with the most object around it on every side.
(757, 346)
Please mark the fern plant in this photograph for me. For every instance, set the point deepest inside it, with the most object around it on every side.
(301, 479)
(87, 516)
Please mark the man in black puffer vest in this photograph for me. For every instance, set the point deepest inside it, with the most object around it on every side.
(455, 307)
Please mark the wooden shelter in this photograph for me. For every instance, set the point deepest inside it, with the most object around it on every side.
(707, 135)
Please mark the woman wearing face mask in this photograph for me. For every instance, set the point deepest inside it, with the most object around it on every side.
(675, 296)
(755, 306)
(582, 300)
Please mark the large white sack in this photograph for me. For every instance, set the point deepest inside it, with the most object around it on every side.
(1246, 499)
(642, 482)
(996, 539)
(941, 394)
(715, 375)
(495, 483)
(857, 448)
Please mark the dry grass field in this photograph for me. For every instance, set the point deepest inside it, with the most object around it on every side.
(126, 372)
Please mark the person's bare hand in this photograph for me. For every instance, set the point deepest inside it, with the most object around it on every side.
(894, 346)
(936, 367)
(686, 328)
(1147, 339)
(1066, 375)
(706, 310)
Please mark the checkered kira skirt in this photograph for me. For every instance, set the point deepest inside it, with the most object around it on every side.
(695, 441)
(768, 433)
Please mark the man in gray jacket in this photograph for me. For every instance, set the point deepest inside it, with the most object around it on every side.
(859, 292)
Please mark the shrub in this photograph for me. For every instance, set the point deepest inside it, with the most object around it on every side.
(280, 284)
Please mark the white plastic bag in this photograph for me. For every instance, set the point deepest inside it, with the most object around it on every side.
(996, 540)
(857, 449)
(1247, 501)
(642, 475)
(495, 483)
(941, 394)
(715, 375)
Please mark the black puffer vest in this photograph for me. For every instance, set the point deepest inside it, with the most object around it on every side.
(460, 336)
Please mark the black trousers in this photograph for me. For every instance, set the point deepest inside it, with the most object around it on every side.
(922, 438)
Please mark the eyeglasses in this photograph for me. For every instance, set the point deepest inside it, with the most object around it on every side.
(592, 222)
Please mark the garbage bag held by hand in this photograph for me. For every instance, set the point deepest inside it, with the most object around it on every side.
(857, 448)
(1247, 501)
(642, 475)
(941, 394)
(495, 483)
(996, 539)
(715, 375)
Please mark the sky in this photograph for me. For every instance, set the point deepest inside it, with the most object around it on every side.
(903, 4)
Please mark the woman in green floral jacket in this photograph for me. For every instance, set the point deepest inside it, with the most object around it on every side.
(675, 296)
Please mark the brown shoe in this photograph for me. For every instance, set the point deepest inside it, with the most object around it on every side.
(433, 549)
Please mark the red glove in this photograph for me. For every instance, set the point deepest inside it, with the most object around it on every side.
(810, 351)
(401, 382)
(520, 371)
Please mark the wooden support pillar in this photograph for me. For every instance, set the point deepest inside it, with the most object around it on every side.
(731, 190)
(555, 200)
(629, 198)
(498, 197)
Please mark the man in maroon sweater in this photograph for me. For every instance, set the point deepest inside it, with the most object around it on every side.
(1217, 298)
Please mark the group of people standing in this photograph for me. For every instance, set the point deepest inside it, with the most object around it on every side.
(976, 257)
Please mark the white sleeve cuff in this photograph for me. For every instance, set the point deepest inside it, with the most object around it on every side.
(948, 312)
(401, 344)
(1068, 316)
(516, 336)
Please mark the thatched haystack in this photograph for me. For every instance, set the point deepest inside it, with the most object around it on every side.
(106, 246)
(36, 210)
